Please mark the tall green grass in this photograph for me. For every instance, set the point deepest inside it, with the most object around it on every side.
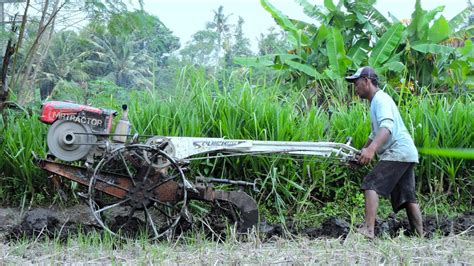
(440, 122)
(266, 112)
(270, 111)
(21, 135)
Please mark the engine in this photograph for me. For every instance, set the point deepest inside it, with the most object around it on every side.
(75, 128)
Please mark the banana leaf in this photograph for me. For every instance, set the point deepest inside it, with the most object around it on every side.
(359, 52)
(330, 5)
(416, 19)
(320, 37)
(283, 58)
(301, 25)
(312, 11)
(465, 33)
(394, 19)
(395, 66)
(432, 48)
(386, 45)
(467, 50)
(423, 26)
(280, 18)
(336, 52)
(439, 31)
(460, 18)
(420, 21)
(376, 16)
(459, 70)
(257, 61)
(307, 69)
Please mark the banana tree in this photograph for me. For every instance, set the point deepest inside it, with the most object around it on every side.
(325, 50)
(422, 51)
(353, 33)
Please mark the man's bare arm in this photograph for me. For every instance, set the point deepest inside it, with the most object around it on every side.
(367, 153)
(369, 141)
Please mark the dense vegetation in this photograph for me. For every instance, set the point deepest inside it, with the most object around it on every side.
(265, 112)
(410, 54)
(292, 90)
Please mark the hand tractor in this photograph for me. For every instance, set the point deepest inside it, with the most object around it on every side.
(138, 182)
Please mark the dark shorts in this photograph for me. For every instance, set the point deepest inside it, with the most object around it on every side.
(393, 179)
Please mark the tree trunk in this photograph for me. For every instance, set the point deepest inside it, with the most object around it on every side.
(47, 44)
(14, 76)
(3, 82)
(24, 92)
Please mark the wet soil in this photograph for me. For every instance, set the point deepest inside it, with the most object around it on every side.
(394, 226)
(60, 222)
(46, 222)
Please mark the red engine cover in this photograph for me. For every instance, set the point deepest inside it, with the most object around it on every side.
(98, 119)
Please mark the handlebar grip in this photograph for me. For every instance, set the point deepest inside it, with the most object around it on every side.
(348, 141)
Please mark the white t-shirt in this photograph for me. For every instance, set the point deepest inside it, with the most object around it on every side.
(399, 146)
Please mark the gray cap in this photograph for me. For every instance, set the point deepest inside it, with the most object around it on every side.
(367, 72)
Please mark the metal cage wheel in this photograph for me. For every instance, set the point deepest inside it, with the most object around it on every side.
(129, 196)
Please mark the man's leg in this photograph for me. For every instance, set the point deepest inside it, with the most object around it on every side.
(414, 217)
(371, 205)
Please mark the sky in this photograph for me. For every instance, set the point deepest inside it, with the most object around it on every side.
(185, 17)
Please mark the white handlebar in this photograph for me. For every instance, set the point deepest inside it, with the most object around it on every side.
(185, 147)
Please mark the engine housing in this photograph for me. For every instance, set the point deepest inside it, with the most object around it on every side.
(97, 119)
(76, 129)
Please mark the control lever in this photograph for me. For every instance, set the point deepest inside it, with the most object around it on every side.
(349, 141)
(255, 184)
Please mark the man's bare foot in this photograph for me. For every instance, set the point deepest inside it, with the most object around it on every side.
(366, 232)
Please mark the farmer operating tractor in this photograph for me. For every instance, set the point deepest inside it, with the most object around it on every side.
(393, 176)
(145, 179)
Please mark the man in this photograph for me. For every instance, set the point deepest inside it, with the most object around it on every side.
(393, 176)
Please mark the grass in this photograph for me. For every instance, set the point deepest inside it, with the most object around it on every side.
(23, 135)
(93, 248)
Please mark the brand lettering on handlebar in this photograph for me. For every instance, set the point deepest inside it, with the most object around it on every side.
(80, 119)
(200, 144)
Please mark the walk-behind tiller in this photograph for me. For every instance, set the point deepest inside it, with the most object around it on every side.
(139, 182)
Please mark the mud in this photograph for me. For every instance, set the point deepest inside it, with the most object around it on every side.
(394, 226)
(391, 226)
(46, 222)
(333, 228)
(60, 222)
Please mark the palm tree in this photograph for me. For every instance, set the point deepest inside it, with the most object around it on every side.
(118, 59)
(64, 63)
(221, 26)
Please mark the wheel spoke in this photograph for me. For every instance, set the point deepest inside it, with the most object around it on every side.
(151, 221)
(144, 169)
(128, 169)
(111, 206)
(164, 181)
(163, 203)
(112, 184)
(138, 155)
(149, 167)
(164, 213)
(148, 171)
(143, 165)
